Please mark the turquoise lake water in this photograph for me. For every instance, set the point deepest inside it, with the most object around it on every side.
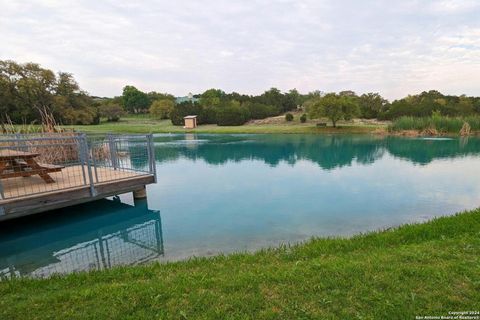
(226, 193)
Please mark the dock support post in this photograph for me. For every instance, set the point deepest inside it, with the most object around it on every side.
(140, 193)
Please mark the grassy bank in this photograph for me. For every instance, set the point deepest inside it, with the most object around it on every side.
(142, 124)
(436, 124)
(425, 269)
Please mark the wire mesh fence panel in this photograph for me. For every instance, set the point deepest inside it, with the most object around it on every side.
(119, 157)
(135, 245)
(33, 164)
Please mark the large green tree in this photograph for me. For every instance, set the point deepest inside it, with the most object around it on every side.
(153, 96)
(161, 109)
(212, 98)
(27, 88)
(134, 100)
(334, 107)
(371, 105)
(282, 101)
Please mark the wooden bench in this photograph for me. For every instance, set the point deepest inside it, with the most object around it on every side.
(14, 163)
(24, 170)
(44, 166)
(321, 124)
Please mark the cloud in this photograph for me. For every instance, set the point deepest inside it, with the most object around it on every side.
(249, 46)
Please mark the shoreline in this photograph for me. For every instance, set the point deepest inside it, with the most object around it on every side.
(412, 262)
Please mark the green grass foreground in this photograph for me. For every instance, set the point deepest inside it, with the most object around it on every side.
(143, 124)
(423, 269)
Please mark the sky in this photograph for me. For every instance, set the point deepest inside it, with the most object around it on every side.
(395, 48)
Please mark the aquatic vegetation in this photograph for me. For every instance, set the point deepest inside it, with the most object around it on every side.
(437, 124)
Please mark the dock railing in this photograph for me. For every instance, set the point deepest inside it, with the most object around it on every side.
(32, 164)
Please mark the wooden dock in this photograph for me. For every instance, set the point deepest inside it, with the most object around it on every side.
(66, 190)
(84, 171)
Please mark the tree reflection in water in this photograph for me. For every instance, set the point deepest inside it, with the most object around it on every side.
(328, 151)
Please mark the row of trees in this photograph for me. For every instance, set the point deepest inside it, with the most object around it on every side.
(429, 102)
(347, 105)
(27, 88)
(214, 106)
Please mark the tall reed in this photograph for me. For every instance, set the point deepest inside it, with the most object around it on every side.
(59, 151)
(441, 124)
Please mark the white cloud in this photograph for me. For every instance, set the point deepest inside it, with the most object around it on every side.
(453, 6)
(249, 46)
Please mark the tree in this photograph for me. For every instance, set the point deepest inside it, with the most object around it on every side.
(371, 105)
(111, 111)
(153, 95)
(208, 115)
(296, 97)
(184, 109)
(232, 114)
(135, 100)
(260, 110)
(242, 98)
(27, 88)
(66, 85)
(212, 98)
(334, 107)
(429, 102)
(160, 109)
(283, 102)
(465, 106)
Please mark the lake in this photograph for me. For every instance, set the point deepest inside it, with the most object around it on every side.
(226, 193)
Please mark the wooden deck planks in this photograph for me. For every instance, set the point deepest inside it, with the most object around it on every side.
(69, 177)
(67, 191)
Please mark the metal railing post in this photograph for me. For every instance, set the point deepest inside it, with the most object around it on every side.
(20, 142)
(111, 146)
(81, 156)
(2, 195)
(151, 157)
(86, 156)
(149, 154)
(94, 162)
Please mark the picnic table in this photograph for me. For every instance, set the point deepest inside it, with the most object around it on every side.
(16, 163)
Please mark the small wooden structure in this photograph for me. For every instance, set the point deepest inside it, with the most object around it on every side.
(190, 122)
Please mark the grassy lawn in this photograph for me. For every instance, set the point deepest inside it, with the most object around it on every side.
(142, 124)
(424, 269)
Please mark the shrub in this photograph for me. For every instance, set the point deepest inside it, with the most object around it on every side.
(232, 115)
(112, 112)
(81, 117)
(303, 118)
(160, 109)
(289, 117)
(260, 110)
(208, 115)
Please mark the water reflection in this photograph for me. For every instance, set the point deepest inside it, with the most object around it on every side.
(327, 151)
(93, 236)
(248, 192)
